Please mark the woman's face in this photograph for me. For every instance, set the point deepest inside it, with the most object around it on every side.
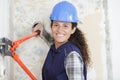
(61, 32)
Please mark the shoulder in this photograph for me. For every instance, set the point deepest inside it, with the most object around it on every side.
(74, 55)
(72, 48)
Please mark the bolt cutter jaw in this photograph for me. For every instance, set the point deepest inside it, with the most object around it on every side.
(5, 44)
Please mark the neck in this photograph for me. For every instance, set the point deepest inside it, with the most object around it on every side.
(58, 44)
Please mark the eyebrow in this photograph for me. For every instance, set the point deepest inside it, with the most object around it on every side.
(66, 23)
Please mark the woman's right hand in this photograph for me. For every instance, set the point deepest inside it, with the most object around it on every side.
(38, 26)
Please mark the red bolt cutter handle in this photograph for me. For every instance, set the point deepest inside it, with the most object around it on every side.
(17, 59)
(16, 43)
(15, 56)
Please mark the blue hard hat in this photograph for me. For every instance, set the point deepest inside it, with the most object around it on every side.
(65, 12)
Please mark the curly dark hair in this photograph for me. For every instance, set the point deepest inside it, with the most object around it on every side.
(79, 40)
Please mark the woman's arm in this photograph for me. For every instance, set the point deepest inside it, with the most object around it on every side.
(74, 66)
(43, 34)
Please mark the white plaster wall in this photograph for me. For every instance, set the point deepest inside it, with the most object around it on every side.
(114, 23)
(27, 12)
(4, 18)
(4, 32)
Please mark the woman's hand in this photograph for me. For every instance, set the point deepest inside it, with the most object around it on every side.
(38, 26)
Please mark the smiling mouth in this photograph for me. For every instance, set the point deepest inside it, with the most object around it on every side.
(60, 35)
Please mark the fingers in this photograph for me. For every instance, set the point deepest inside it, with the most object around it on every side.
(38, 26)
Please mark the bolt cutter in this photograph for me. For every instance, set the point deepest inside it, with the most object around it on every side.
(7, 48)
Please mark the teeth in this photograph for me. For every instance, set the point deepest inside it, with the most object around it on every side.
(60, 35)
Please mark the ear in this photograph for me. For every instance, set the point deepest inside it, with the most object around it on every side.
(73, 30)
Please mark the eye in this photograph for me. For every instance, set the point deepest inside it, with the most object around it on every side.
(55, 25)
(66, 26)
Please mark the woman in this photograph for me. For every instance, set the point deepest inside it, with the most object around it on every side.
(68, 56)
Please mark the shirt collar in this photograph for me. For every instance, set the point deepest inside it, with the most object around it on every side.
(61, 48)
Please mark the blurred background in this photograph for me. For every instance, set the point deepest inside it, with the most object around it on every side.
(100, 24)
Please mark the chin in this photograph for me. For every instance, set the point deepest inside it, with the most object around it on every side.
(61, 41)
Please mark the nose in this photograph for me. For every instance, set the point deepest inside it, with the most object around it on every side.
(60, 28)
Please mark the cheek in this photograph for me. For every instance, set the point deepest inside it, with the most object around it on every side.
(70, 32)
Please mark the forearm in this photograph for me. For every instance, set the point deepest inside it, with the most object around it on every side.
(45, 35)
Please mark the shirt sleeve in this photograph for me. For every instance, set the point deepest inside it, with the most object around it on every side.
(74, 66)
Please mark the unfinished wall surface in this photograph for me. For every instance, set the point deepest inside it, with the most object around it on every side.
(114, 23)
(33, 52)
(24, 13)
(4, 32)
